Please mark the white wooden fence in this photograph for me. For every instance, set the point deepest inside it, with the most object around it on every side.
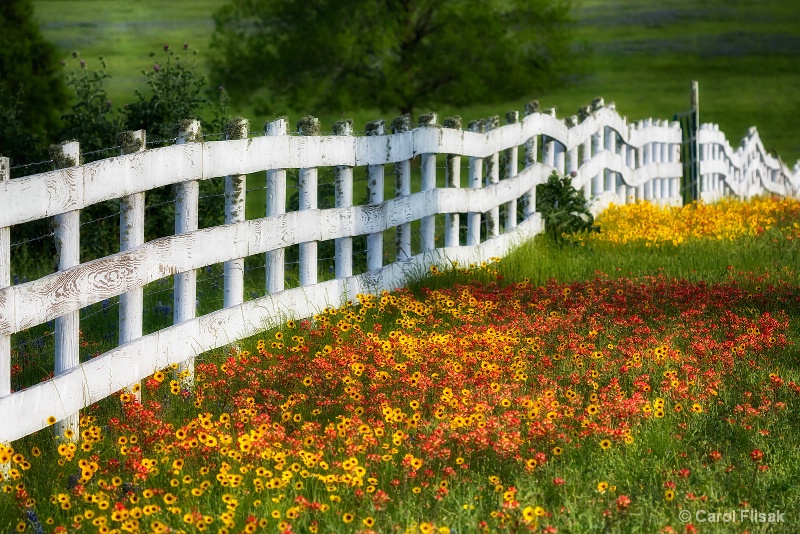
(612, 161)
(745, 172)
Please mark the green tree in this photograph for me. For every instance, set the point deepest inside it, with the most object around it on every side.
(392, 54)
(33, 93)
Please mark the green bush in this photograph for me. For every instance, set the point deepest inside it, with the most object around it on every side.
(564, 209)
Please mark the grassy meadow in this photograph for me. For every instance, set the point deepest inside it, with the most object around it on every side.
(641, 379)
(746, 56)
(645, 378)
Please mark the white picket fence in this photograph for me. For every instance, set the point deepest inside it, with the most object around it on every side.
(614, 162)
(745, 172)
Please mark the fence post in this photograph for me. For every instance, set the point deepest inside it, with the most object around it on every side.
(428, 183)
(655, 155)
(586, 150)
(235, 190)
(664, 159)
(695, 139)
(630, 162)
(452, 171)
(402, 188)
(549, 144)
(276, 205)
(597, 146)
(68, 245)
(675, 157)
(344, 199)
(531, 150)
(640, 163)
(131, 235)
(475, 180)
(5, 281)
(308, 126)
(375, 196)
(647, 158)
(572, 154)
(512, 162)
(187, 195)
(493, 177)
(611, 146)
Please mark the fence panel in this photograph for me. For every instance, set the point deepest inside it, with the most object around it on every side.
(613, 161)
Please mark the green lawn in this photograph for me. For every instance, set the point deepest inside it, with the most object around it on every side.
(746, 56)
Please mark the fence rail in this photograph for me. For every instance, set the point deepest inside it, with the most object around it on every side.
(612, 161)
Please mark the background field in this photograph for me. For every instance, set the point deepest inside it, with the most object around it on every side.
(746, 56)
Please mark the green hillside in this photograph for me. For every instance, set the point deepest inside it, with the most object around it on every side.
(745, 55)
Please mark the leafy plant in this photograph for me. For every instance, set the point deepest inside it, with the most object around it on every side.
(564, 209)
(91, 119)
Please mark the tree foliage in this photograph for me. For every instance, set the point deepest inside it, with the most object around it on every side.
(392, 54)
(32, 92)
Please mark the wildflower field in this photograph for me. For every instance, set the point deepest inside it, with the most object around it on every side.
(641, 379)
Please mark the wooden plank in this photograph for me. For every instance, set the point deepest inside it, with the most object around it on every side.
(55, 192)
(38, 301)
(141, 357)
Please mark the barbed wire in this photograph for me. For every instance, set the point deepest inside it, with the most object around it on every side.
(100, 218)
(25, 242)
(100, 150)
(26, 165)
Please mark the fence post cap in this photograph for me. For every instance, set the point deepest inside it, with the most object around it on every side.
(66, 154)
(131, 141)
(453, 122)
(428, 119)
(343, 127)
(237, 128)
(188, 131)
(308, 125)
(375, 127)
(531, 107)
(277, 126)
(477, 126)
(401, 124)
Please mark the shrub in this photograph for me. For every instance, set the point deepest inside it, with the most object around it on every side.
(564, 209)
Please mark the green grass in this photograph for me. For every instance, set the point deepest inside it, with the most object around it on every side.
(627, 315)
(746, 56)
